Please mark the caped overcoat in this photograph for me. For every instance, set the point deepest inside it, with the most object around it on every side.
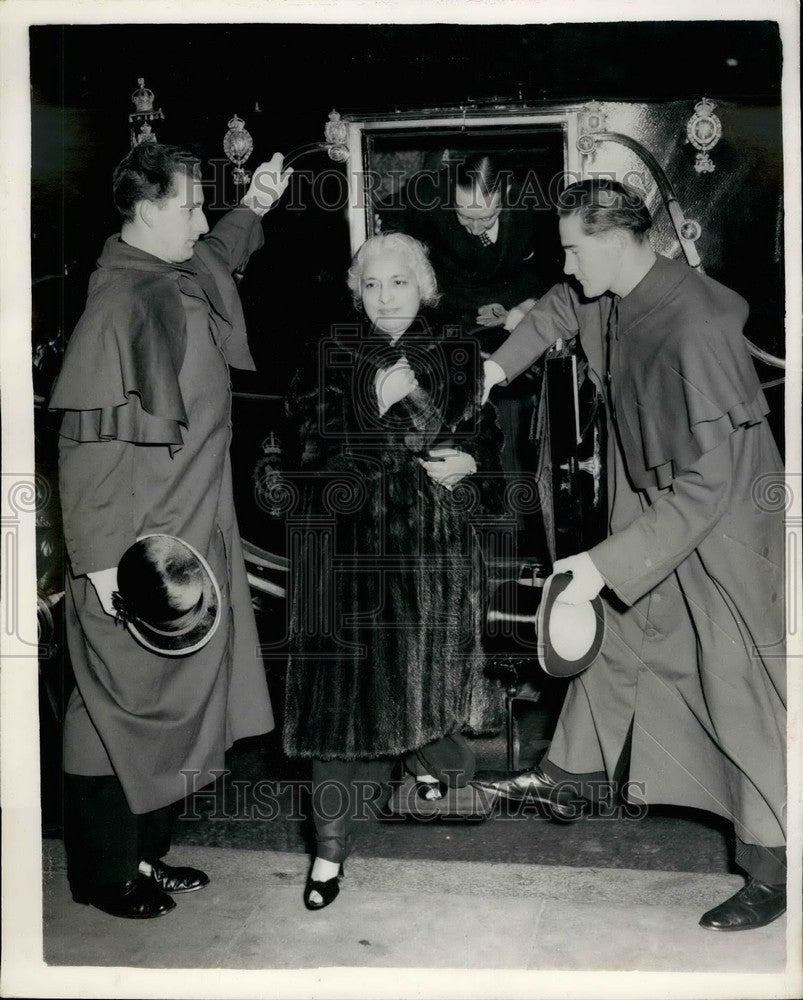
(144, 447)
(694, 567)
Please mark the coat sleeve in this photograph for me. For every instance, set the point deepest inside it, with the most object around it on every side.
(235, 238)
(319, 418)
(96, 483)
(552, 318)
(638, 558)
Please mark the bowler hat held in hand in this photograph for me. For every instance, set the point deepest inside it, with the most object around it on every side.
(167, 595)
(570, 636)
(526, 615)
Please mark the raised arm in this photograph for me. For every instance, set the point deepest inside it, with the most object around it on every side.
(239, 233)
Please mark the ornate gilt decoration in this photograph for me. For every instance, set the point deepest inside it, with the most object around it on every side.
(143, 113)
(336, 132)
(238, 146)
(703, 131)
(590, 121)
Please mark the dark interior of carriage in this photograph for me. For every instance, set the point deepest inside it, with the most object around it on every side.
(294, 288)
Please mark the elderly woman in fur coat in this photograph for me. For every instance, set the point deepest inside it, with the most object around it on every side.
(396, 463)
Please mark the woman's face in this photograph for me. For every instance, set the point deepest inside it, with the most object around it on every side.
(390, 293)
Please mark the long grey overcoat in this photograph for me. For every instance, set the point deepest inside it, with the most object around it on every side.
(144, 447)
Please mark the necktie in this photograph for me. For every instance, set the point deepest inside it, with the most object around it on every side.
(611, 344)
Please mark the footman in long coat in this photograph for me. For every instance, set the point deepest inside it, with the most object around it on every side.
(692, 675)
(144, 448)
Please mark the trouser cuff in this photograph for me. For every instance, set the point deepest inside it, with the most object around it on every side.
(767, 864)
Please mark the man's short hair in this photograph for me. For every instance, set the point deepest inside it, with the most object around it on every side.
(146, 174)
(602, 204)
(480, 173)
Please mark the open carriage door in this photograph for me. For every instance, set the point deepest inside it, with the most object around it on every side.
(551, 416)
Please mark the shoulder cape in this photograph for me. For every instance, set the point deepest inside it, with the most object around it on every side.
(120, 374)
(686, 380)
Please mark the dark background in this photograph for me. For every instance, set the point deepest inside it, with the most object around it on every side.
(82, 78)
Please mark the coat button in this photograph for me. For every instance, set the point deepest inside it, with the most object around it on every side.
(651, 632)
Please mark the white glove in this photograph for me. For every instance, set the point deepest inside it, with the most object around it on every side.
(492, 314)
(517, 313)
(494, 374)
(268, 184)
(105, 583)
(393, 384)
(586, 579)
(450, 465)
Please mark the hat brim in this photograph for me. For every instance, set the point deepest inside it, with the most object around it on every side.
(196, 637)
(552, 662)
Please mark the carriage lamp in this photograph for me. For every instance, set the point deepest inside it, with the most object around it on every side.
(238, 146)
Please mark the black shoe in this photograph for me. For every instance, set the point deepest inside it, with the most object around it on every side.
(170, 879)
(754, 905)
(137, 899)
(533, 787)
(327, 890)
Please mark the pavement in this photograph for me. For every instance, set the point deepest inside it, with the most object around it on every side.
(424, 915)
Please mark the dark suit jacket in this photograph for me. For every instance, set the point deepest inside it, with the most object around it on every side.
(516, 267)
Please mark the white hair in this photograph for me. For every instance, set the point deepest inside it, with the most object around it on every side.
(414, 251)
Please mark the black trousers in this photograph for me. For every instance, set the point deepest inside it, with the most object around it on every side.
(346, 792)
(104, 840)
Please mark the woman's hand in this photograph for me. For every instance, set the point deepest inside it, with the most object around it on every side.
(448, 466)
(393, 384)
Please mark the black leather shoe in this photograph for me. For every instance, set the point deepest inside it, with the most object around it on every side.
(137, 899)
(754, 905)
(535, 787)
(171, 879)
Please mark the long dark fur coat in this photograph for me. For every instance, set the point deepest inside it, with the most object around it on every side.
(388, 578)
